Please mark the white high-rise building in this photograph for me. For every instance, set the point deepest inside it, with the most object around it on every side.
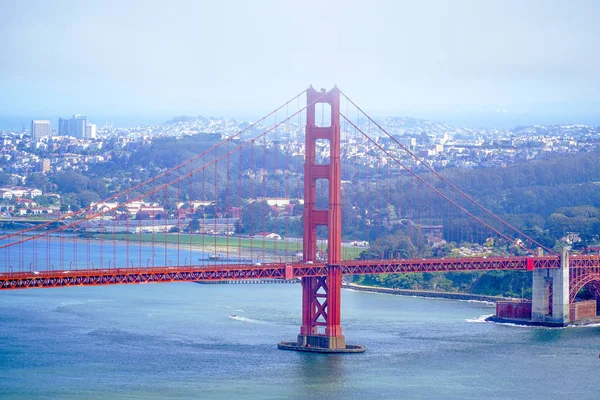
(90, 131)
(40, 128)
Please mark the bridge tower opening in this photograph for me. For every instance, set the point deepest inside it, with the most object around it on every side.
(321, 329)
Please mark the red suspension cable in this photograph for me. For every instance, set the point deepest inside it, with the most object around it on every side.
(463, 194)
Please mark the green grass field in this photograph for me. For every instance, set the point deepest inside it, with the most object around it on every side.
(256, 245)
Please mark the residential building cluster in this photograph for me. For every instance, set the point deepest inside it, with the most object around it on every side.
(21, 201)
(76, 145)
(10, 192)
(20, 154)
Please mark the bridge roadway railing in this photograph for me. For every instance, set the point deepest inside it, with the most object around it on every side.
(114, 276)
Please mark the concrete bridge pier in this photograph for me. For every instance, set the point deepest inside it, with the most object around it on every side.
(550, 298)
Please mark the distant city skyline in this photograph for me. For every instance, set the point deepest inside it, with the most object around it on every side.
(473, 120)
(475, 63)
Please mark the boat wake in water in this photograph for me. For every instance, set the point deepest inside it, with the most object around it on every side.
(479, 319)
(244, 319)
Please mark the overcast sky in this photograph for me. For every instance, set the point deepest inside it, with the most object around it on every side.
(237, 58)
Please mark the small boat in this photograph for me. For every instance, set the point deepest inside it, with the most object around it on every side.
(231, 258)
(233, 315)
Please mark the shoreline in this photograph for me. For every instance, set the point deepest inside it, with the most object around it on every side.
(425, 293)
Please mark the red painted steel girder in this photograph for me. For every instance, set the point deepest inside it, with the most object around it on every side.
(580, 261)
(91, 277)
(582, 265)
(446, 265)
(114, 276)
(577, 284)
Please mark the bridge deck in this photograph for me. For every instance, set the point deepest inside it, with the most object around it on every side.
(115, 276)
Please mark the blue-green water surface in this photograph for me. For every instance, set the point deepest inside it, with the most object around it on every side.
(181, 341)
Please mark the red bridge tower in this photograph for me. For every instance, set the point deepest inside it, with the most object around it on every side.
(321, 306)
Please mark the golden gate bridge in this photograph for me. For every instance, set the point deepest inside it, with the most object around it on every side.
(346, 153)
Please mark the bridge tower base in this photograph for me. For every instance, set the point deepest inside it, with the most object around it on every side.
(321, 295)
(550, 297)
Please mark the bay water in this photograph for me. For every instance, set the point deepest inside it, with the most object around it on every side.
(218, 341)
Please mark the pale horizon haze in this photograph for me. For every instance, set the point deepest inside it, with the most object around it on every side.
(470, 61)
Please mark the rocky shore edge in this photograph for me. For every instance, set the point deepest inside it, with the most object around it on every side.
(424, 293)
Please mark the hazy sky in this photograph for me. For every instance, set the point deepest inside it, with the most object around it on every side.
(238, 58)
